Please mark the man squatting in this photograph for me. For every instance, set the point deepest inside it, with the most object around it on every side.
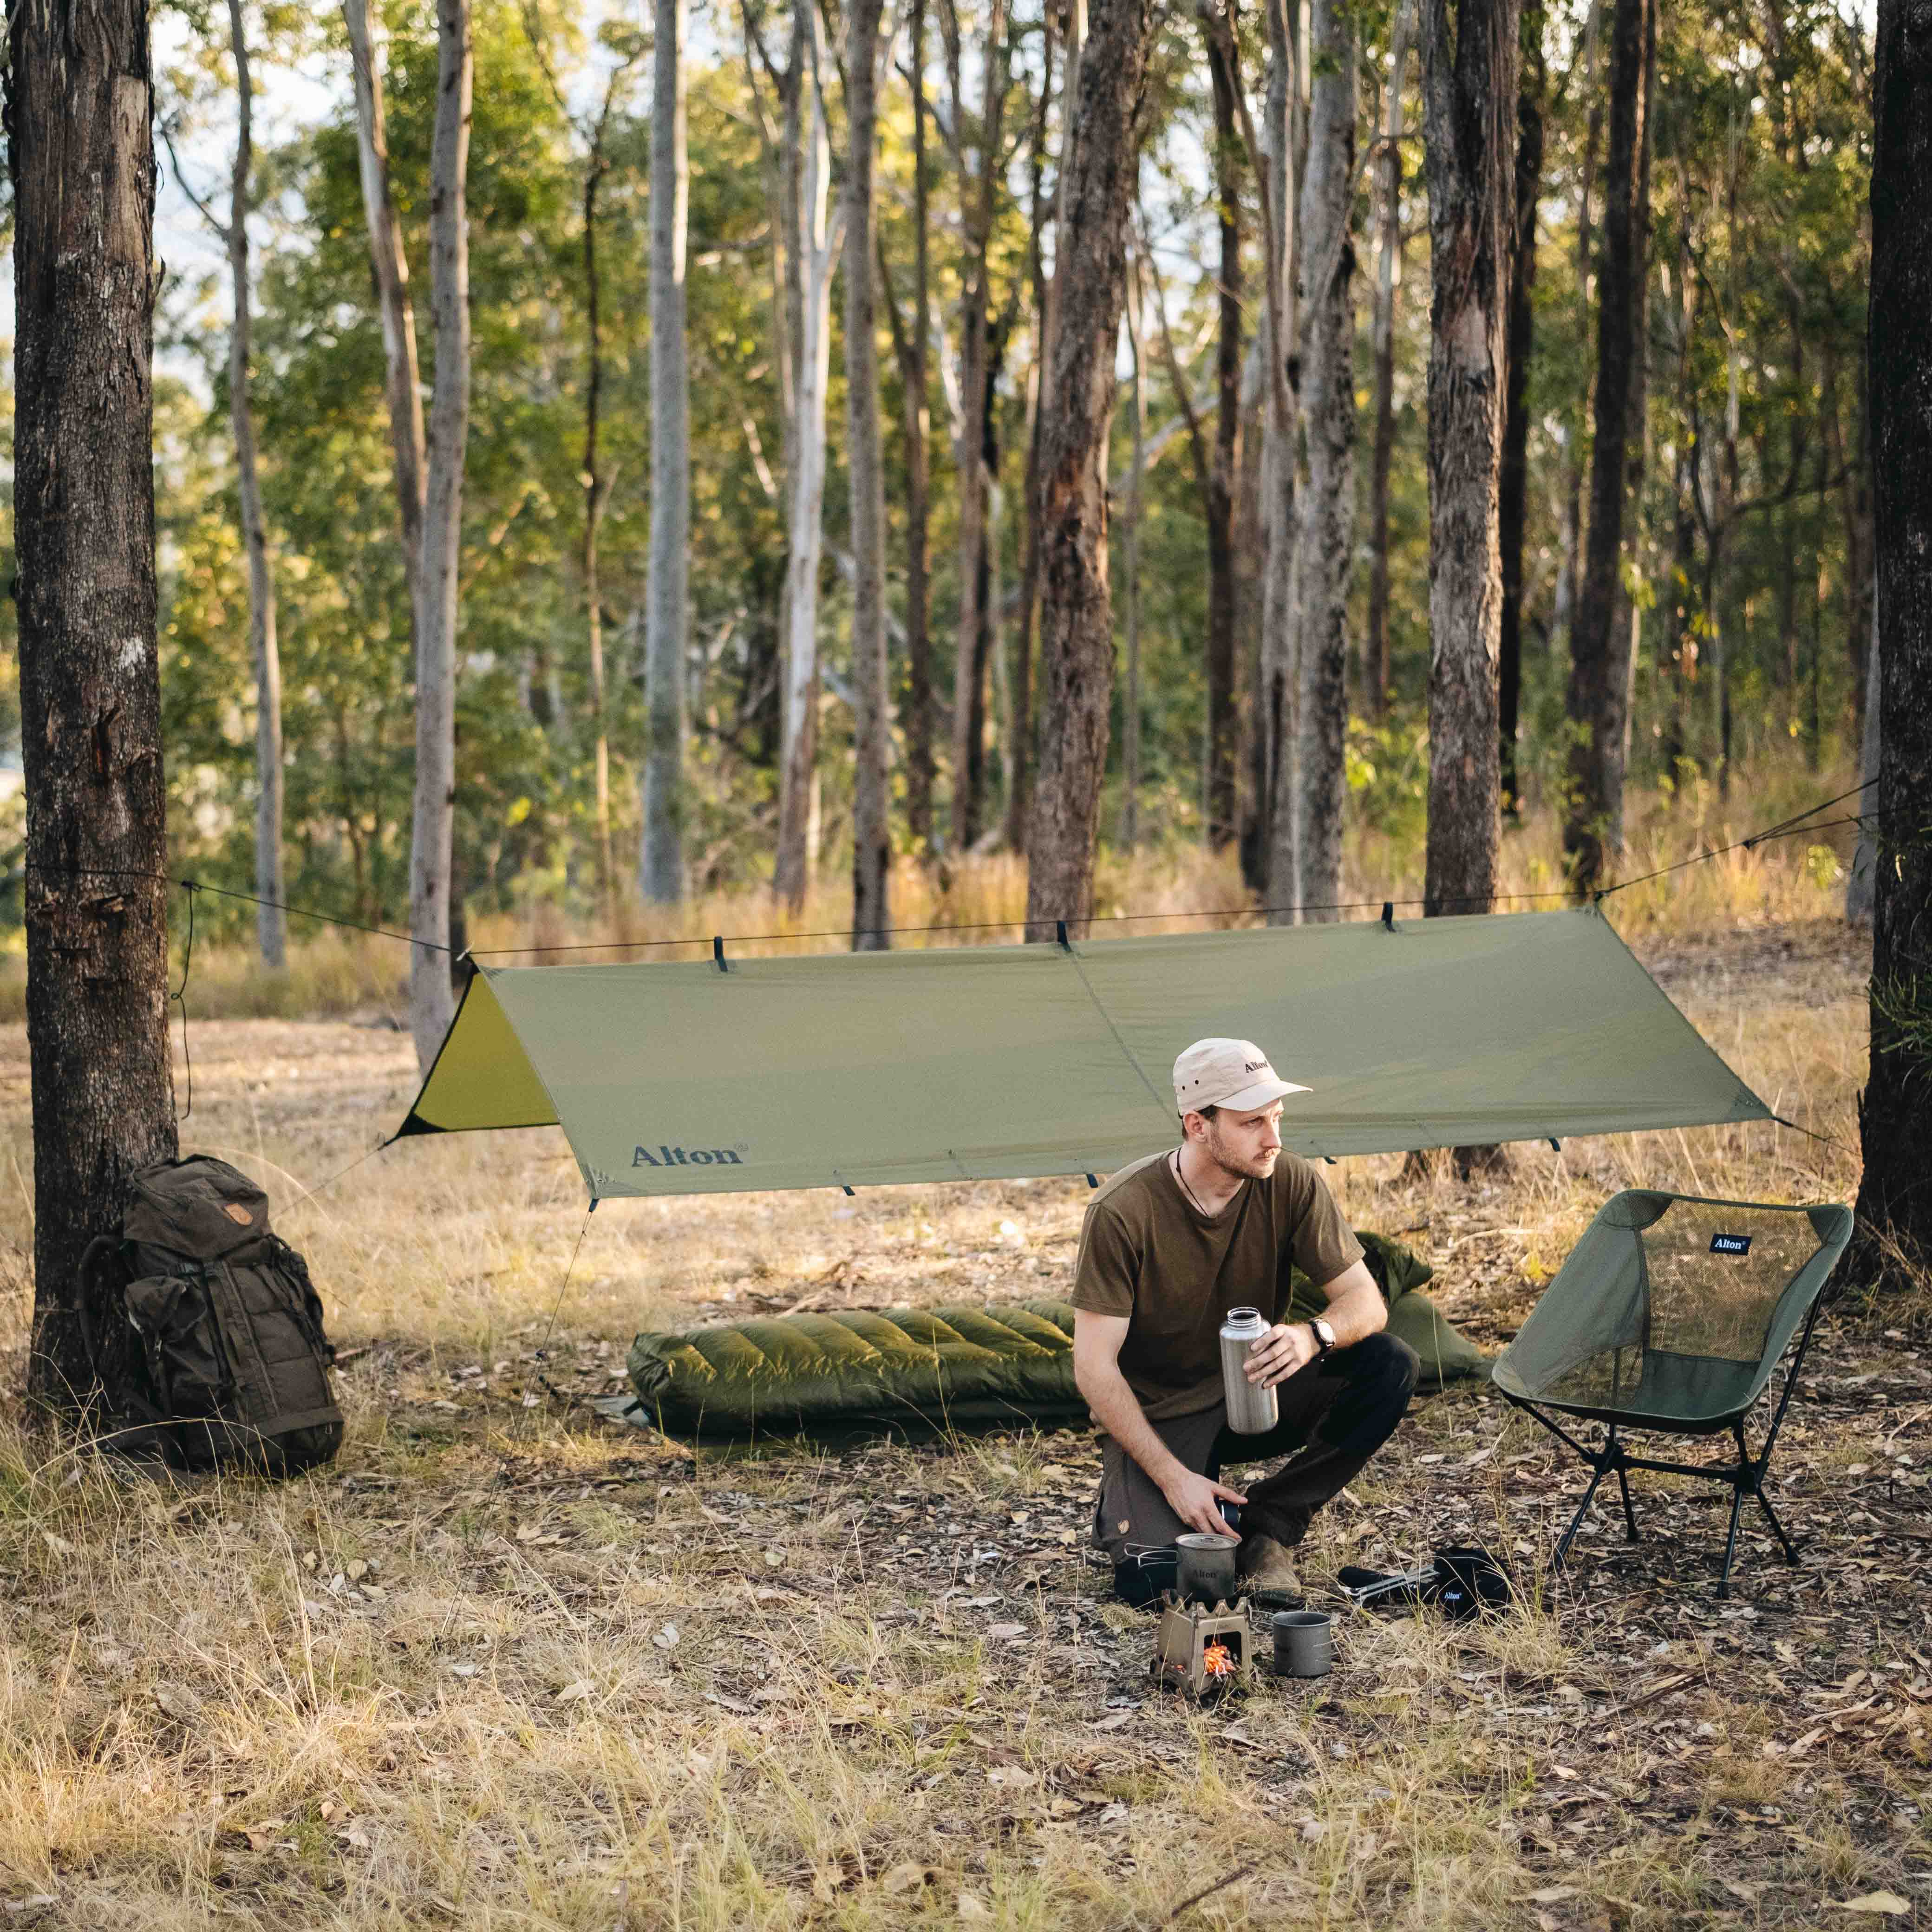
(1168, 1247)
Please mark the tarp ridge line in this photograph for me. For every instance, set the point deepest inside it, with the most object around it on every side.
(1127, 1052)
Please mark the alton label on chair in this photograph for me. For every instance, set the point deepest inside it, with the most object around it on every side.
(1730, 1244)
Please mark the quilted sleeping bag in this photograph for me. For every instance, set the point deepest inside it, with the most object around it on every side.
(927, 1371)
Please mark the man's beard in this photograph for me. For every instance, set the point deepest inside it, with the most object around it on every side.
(1257, 1167)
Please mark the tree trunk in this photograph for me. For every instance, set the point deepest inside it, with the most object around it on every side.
(1599, 664)
(1677, 658)
(1854, 490)
(662, 867)
(976, 362)
(915, 359)
(1076, 626)
(1388, 227)
(1020, 770)
(811, 251)
(1894, 1205)
(1469, 125)
(1860, 886)
(1564, 613)
(1513, 481)
(1328, 401)
(597, 485)
(431, 1005)
(1130, 708)
(1219, 503)
(270, 920)
(872, 843)
(1281, 811)
(1250, 574)
(402, 384)
(79, 104)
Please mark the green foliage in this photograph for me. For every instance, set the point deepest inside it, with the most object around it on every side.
(1757, 282)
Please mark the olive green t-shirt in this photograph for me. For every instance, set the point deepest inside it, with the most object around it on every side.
(1147, 1253)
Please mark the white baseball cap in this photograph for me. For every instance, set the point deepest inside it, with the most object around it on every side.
(1231, 1073)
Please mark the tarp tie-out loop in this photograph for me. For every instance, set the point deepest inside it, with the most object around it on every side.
(1060, 934)
(1388, 914)
(717, 951)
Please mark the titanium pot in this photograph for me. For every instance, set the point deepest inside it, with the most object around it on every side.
(1207, 1571)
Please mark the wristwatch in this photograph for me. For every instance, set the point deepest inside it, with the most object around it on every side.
(1325, 1336)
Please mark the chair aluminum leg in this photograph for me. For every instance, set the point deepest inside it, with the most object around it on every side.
(1576, 1522)
(1731, 1540)
(1630, 1515)
(1771, 1517)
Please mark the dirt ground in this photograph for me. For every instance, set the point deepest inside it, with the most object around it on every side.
(507, 1664)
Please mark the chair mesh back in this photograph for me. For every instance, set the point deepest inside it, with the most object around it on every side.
(1706, 1297)
(1672, 1308)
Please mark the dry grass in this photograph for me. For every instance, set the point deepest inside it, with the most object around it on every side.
(505, 1666)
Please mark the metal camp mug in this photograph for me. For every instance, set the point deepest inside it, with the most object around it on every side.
(1252, 1410)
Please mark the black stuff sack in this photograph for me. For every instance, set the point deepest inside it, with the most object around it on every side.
(204, 1330)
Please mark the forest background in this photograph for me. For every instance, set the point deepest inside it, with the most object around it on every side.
(1745, 567)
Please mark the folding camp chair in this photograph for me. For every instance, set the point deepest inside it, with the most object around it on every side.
(1670, 1314)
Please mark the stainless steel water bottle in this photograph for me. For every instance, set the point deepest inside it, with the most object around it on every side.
(1252, 1410)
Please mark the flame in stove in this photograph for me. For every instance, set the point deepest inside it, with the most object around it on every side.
(1218, 1660)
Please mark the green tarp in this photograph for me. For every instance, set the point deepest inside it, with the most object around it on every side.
(997, 1062)
(932, 1370)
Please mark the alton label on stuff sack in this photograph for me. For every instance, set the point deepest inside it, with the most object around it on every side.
(1730, 1244)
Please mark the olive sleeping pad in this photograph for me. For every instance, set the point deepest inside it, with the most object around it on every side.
(925, 1371)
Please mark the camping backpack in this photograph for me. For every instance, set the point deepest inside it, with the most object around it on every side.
(203, 1329)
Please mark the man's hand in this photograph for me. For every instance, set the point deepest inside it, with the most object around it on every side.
(1192, 1499)
(1274, 1357)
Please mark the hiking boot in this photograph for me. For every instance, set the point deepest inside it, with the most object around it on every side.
(1267, 1569)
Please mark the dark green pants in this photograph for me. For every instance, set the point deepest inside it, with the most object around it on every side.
(1335, 1414)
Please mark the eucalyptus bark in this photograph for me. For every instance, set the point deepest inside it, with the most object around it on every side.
(270, 920)
(80, 98)
(661, 869)
(1388, 280)
(1861, 883)
(1020, 763)
(1894, 1204)
(1513, 481)
(402, 384)
(1469, 93)
(810, 253)
(1598, 697)
(1280, 679)
(597, 482)
(1219, 495)
(1130, 708)
(912, 346)
(976, 360)
(872, 843)
(432, 825)
(1076, 618)
(1328, 401)
(1563, 603)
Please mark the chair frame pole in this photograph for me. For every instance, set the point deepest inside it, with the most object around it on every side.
(1745, 1476)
